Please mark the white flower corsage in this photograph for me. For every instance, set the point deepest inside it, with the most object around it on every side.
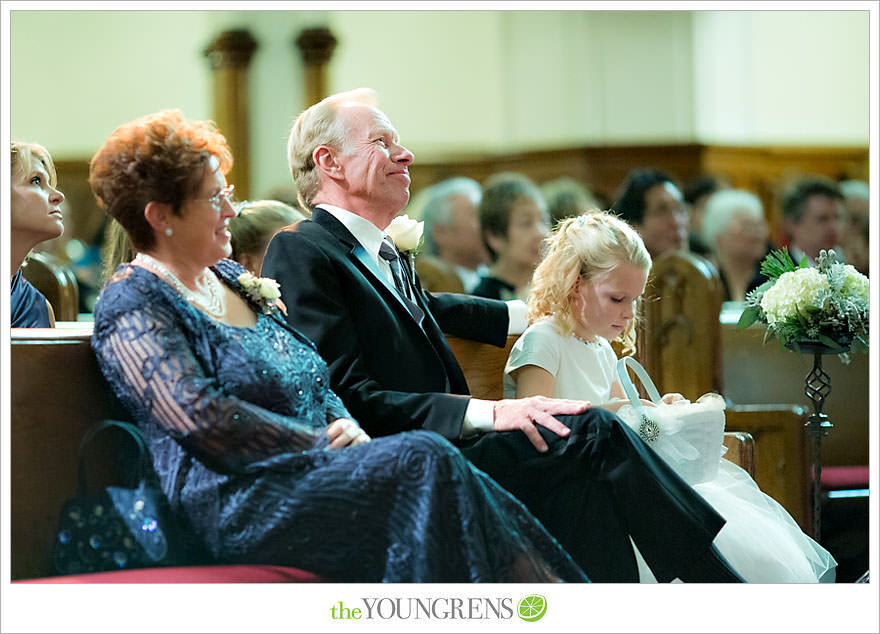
(406, 233)
(263, 291)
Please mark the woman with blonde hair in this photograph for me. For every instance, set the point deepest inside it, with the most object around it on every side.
(35, 218)
(585, 293)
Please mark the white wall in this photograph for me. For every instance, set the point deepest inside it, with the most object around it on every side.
(75, 76)
(437, 74)
(460, 82)
(782, 77)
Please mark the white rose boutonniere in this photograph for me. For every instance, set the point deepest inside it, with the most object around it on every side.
(263, 291)
(407, 234)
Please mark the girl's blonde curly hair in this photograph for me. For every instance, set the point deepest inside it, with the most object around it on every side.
(585, 246)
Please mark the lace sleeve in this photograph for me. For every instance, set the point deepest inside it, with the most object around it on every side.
(152, 367)
(335, 408)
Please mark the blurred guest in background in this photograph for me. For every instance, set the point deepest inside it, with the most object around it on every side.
(117, 249)
(650, 201)
(453, 257)
(811, 210)
(696, 193)
(253, 227)
(566, 197)
(514, 221)
(736, 233)
(35, 217)
(287, 195)
(855, 225)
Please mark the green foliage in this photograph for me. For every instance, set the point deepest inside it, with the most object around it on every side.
(749, 316)
(778, 262)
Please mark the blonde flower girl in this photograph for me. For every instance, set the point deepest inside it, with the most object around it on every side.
(584, 294)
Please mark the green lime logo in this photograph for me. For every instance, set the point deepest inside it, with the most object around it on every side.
(532, 608)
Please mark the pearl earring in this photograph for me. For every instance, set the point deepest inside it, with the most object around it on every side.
(169, 231)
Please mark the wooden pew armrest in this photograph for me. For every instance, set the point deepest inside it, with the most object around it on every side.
(740, 450)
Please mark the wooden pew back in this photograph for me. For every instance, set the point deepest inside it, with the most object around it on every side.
(54, 279)
(679, 336)
(57, 393)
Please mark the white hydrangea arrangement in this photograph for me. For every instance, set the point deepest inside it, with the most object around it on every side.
(822, 305)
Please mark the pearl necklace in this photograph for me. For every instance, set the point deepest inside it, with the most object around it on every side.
(589, 342)
(209, 296)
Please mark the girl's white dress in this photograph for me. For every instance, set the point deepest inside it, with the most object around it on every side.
(760, 539)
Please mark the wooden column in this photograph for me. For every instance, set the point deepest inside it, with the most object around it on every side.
(316, 46)
(230, 55)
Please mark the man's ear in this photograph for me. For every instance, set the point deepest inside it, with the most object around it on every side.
(325, 160)
(158, 215)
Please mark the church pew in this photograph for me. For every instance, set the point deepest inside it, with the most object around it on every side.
(682, 346)
(57, 393)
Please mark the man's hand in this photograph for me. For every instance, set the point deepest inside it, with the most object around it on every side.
(344, 432)
(525, 413)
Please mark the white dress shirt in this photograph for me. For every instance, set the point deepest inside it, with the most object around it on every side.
(480, 414)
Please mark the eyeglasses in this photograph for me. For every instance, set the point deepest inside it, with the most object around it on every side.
(218, 199)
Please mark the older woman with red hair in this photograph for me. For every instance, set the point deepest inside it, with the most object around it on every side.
(254, 450)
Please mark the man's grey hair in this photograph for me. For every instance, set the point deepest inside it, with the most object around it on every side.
(855, 189)
(316, 126)
(435, 207)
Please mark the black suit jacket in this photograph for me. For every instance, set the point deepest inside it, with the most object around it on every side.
(391, 373)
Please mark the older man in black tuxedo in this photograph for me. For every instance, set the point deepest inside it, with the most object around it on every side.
(581, 471)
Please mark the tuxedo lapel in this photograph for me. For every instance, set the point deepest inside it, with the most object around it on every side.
(359, 256)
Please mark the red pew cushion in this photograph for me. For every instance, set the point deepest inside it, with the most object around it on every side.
(847, 477)
(239, 573)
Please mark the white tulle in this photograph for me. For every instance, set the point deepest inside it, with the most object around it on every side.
(760, 539)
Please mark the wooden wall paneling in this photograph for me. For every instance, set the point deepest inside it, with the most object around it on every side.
(767, 170)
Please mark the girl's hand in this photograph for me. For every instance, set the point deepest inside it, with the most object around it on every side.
(673, 397)
(344, 432)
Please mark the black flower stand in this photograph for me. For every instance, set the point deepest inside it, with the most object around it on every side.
(817, 387)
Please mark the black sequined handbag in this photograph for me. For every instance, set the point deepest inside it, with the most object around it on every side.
(116, 527)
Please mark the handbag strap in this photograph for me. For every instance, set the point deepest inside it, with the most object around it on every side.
(630, 389)
(130, 429)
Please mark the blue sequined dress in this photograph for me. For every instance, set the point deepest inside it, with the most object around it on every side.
(234, 420)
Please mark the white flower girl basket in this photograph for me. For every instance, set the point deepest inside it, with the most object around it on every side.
(688, 436)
